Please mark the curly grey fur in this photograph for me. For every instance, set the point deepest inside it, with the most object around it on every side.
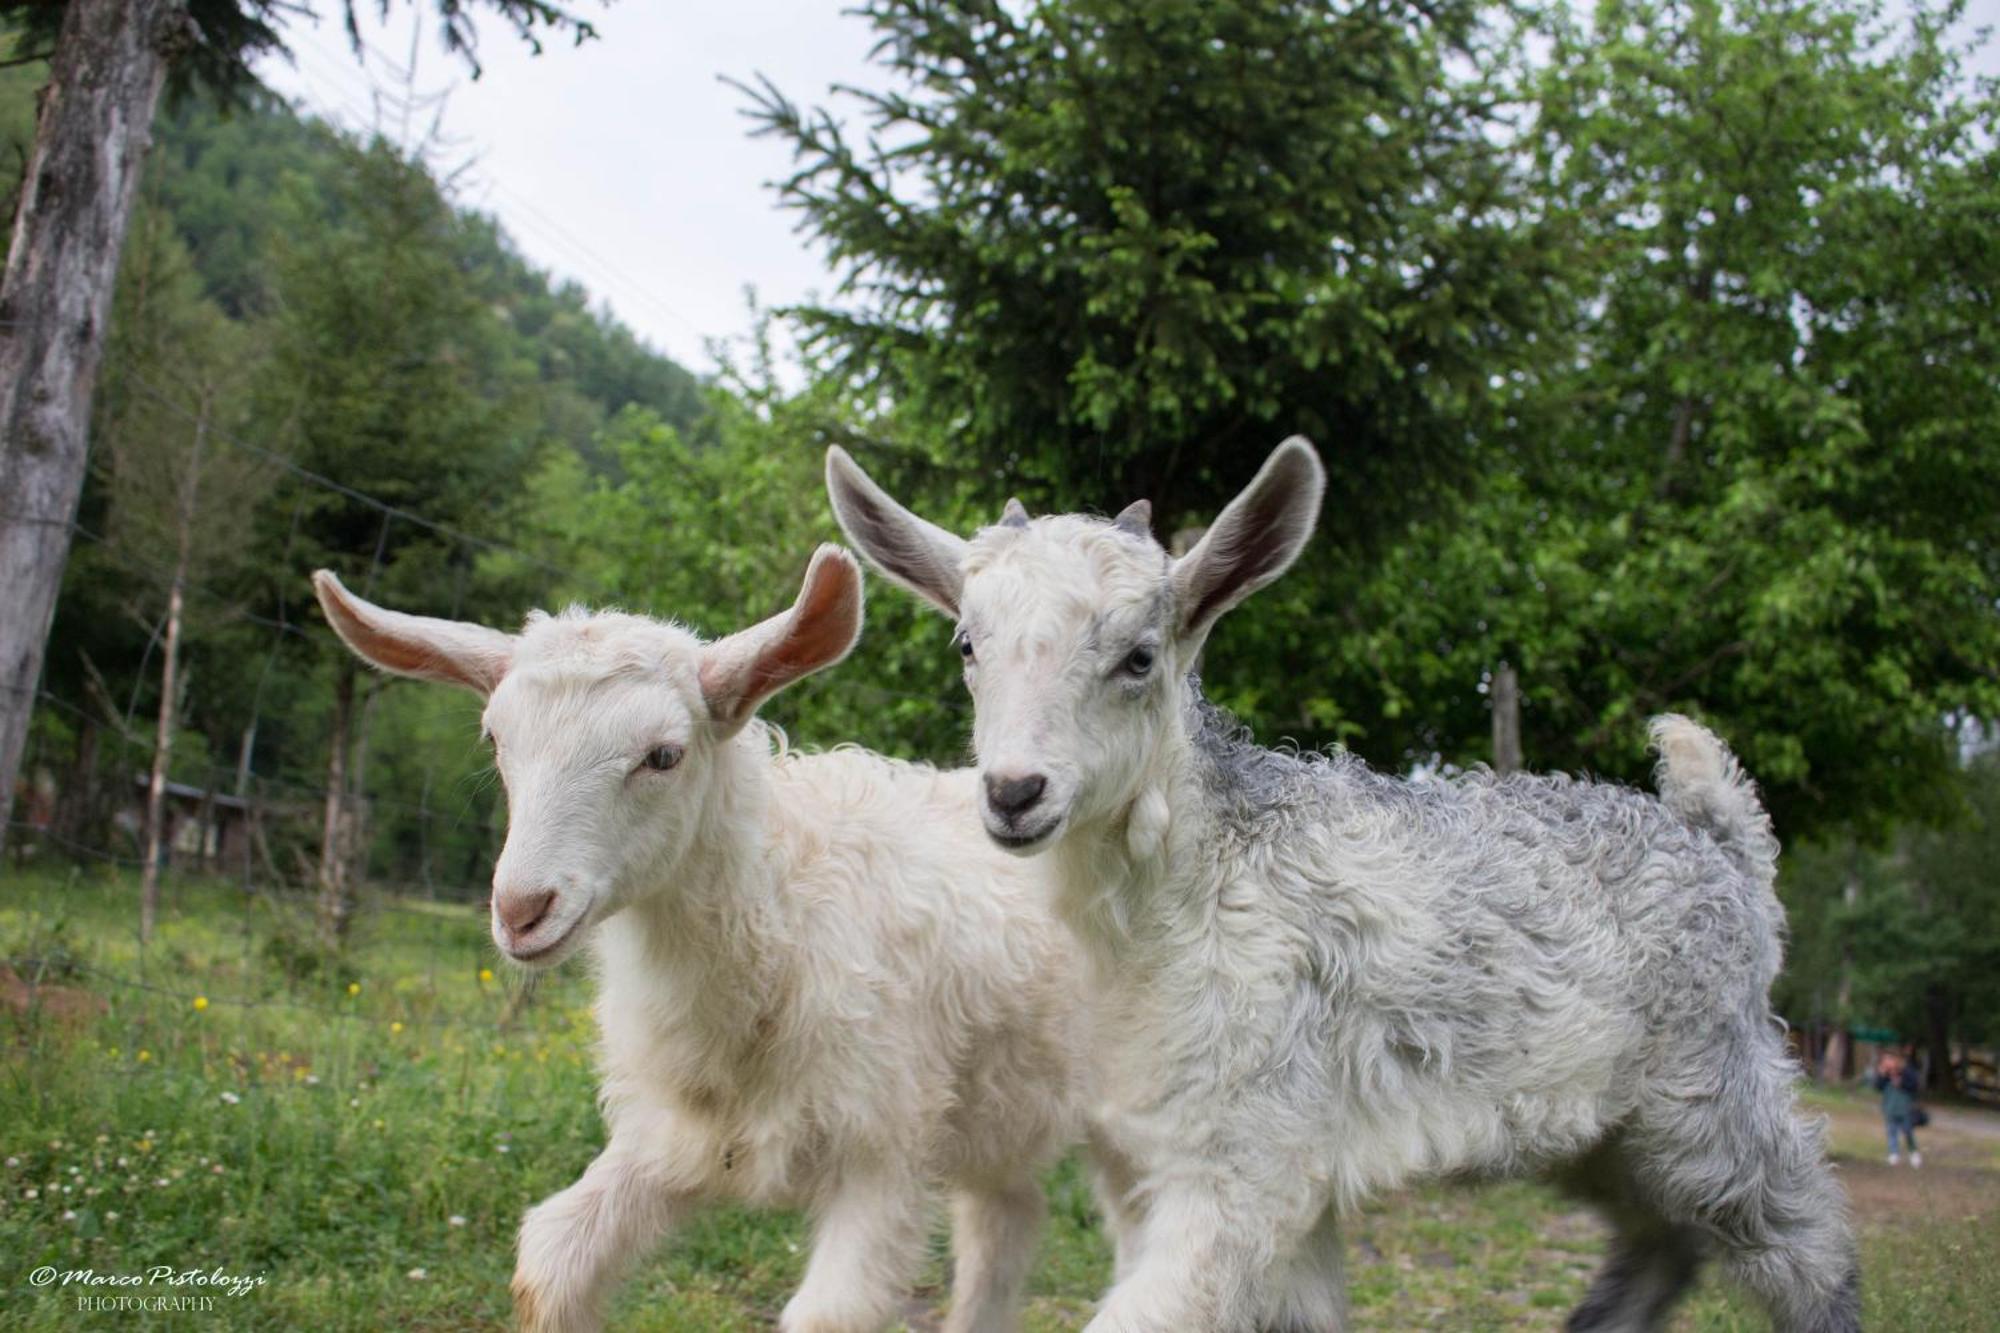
(1634, 939)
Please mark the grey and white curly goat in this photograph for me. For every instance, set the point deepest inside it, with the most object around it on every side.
(1312, 982)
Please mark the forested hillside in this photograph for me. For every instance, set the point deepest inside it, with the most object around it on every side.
(308, 327)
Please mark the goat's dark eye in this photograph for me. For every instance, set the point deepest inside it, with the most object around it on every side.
(965, 647)
(1138, 662)
(661, 758)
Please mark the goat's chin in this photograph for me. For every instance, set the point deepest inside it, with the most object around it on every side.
(1025, 843)
(539, 956)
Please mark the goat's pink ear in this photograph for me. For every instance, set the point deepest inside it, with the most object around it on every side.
(740, 672)
(1252, 541)
(921, 556)
(450, 651)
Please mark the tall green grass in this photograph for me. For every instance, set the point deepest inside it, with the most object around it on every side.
(365, 1130)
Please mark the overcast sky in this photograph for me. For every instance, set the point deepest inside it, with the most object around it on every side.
(624, 163)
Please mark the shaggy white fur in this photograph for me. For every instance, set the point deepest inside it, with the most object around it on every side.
(1315, 982)
(818, 983)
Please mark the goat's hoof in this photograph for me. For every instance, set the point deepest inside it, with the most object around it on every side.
(534, 1312)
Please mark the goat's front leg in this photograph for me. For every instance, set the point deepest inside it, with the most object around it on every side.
(993, 1234)
(1114, 1180)
(575, 1243)
(1214, 1260)
(868, 1239)
(1308, 1292)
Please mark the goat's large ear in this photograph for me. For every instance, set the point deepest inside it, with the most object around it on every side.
(740, 672)
(450, 651)
(1252, 541)
(921, 556)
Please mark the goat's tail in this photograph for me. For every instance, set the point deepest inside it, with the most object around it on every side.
(1700, 780)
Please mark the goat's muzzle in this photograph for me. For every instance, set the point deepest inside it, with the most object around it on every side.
(530, 924)
(1016, 815)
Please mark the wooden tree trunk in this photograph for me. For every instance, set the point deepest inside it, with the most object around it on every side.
(1940, 1077)
(1506, 720)
(335, 866)
(91, 133)
(359, 810)
(163, 748)
(1840, 1046)
(186, 510)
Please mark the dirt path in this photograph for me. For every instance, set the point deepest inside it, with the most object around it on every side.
(1958, 1182)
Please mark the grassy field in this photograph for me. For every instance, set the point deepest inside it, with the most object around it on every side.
(364, 1133)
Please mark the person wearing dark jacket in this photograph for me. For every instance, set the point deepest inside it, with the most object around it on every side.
(1897, 1082)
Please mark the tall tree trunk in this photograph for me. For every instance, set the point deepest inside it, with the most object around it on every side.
(359, 811)
(244, 751)
(1506, 720)
(1940, 1077)
(91, 133)
(163, 747)
(185, 509)
(335, 868)
(1839, 1046)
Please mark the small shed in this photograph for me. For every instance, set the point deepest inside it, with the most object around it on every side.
(206, 829)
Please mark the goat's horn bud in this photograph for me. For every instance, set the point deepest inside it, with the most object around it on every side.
(1135, 518)
(1015, 515)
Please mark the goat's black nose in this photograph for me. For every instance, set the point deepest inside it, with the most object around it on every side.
(1013, 797)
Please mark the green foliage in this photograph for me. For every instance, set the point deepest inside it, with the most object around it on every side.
(387, 369)
(1705, 334)
(181, 375)
(1916, 923)
(1115, 248)
(1763, 488)
(713, 527)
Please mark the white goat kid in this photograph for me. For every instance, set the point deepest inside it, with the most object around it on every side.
(1315, 982)
(818, 983)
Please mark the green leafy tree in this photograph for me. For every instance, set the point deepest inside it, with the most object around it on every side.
(174, 485)
(712, 526)
(1118, 248)
(1905, 936)
(387, 371)
(1765, 488)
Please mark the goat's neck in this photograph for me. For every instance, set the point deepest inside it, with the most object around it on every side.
(1127, 878)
